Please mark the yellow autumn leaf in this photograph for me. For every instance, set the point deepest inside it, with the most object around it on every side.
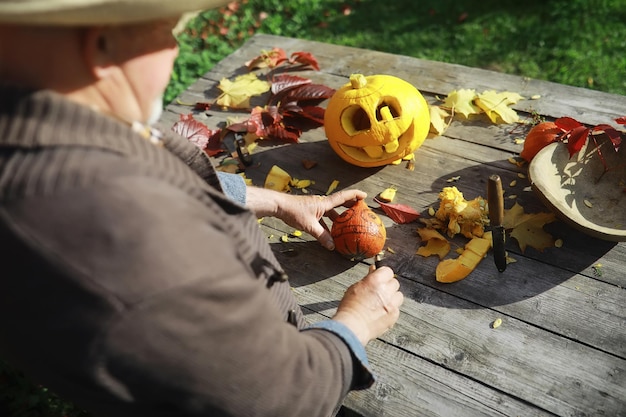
(527, 229)
(236, 94)
(278, 179)
(497, 105)
(462, 101)
(438, 122)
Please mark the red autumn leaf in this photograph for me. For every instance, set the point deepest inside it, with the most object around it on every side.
(304, 58)
(314, 113)
(202, 106)
(197, 133)
(308, 163)
(246, 126)
(577, 139)
(399, 213)
(305, 119)
(284, 133)
(307, 92)
(264, 119)
(267, 59)
(567, 123)
(285, 81)
(613, 134)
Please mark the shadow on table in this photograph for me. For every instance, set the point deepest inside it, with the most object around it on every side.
(533, 273)
(328, 166)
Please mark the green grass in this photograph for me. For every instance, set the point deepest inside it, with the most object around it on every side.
(575, 42)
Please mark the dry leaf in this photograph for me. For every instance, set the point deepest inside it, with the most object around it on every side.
(462, 101)
(399, 213)
(236, 94)
(527, 229)
(438, 122)
(497, 105)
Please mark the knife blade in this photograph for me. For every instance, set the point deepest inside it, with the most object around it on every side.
(495, 200)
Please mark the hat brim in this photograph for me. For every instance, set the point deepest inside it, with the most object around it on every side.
(97, 12)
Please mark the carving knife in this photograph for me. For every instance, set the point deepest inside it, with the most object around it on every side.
(495, 200)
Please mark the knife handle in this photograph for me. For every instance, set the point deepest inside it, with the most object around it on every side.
(495, 200)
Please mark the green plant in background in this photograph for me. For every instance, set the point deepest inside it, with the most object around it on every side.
(19, 397)
(574, 42)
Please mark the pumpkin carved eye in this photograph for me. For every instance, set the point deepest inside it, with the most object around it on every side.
(376, 120)
(355, 119)
(393, 107)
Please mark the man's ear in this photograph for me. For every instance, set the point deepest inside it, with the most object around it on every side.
(98, 51)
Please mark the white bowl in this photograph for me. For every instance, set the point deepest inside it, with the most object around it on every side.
(579, 192)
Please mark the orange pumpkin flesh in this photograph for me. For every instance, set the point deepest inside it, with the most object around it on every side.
(452, 270)
(358, 232)
(540, 136)
(376, 120)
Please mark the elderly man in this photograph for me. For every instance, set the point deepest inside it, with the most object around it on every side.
(131, 284)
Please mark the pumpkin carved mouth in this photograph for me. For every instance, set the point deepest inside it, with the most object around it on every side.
(382, 152)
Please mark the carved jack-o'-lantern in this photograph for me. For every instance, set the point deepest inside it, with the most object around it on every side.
(376, 120)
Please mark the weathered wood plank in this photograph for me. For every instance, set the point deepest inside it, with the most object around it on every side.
(555, 373)
(418, 387)
(564, 302)
(562, 347)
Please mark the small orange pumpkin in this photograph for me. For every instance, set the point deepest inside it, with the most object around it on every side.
(540, 136)
(358, 232)
(376, 120)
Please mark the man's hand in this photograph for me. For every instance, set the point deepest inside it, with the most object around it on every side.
(371, 306)
(302, 212)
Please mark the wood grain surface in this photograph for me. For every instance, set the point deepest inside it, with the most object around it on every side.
(561, 347)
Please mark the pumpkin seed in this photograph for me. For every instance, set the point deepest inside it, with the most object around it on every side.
(588, 203)
(496, 323)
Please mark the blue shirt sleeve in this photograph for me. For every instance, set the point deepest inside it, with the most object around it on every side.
(233, 186)
(364, 378)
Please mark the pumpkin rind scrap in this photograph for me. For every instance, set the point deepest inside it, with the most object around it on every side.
(453, 270)
(376, 120)
(358, 232)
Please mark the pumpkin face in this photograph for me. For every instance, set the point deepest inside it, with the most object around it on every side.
(358, 232)
(376, 120)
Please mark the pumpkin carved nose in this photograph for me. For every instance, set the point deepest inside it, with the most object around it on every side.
(385, 114)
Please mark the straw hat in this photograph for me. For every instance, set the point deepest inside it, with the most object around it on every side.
(97, 12)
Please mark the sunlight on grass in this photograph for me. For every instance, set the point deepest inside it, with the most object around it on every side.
(574, 42)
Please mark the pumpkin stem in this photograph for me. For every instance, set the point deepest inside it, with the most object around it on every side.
(358, 81)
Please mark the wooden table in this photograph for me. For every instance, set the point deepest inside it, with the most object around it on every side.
(561, 348)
